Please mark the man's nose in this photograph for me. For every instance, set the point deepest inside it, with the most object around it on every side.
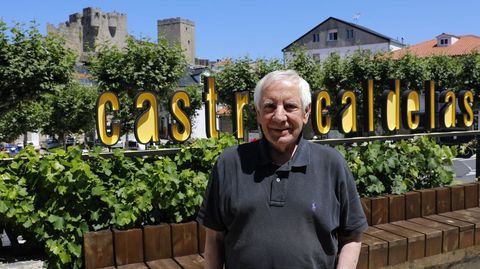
(280, 114)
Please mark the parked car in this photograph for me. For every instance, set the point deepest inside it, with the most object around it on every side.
(69, 141)
(51, 143)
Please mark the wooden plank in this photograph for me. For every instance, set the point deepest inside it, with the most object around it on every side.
(412, 205)
(466, 230)
(157, 241)
(128, 246)
(367, 209)
(471, 195)
(449, 233)
(163, 264)
(433, 237)
(415, 240)
(184, 239)
(443, 200)
(458, 197)
(139, 265)
(363, 257)
(397, 245)
(377, 251)
(191, 261)
(396, 207)
(98, 249)
(469, 212)
(379, 210)
(475, 209)
(467, 217)
(202, 232)
(428, 202)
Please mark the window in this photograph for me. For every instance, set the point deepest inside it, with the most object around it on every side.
(444, 41)
(349, 33)
(316, 37)
(332, 35)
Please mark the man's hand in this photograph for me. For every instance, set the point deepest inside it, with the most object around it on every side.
(349, 251)
(214, 249)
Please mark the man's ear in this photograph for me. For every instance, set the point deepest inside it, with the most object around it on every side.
(307, 114)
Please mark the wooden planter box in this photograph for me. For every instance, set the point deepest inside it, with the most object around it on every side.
(403, 229)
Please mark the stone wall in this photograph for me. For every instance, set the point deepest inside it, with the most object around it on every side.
(179, 31)
(85, 32)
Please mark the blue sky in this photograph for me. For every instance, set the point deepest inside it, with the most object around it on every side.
(261, 28)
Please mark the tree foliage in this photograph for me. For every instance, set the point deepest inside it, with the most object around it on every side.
(306, 67)
(30, 64)
(194, 92)
(72, 110)
(28, 116)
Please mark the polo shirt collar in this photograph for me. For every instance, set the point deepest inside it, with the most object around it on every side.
(300, 158)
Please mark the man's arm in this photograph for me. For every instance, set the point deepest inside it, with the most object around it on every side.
(214, 249)
(349, 251)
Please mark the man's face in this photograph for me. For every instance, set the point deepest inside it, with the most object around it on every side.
(281, 115)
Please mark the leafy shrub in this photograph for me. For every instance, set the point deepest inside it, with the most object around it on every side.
(54, 199)
(398, 167)
(202, 154)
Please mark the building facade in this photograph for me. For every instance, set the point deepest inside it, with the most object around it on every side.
(337, 36)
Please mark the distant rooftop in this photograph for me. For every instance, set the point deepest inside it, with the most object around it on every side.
(460, 45)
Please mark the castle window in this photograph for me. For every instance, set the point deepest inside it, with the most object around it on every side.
(332, 35)
(112, 30)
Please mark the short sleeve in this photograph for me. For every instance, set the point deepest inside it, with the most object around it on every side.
(352, 218)
(210, 214)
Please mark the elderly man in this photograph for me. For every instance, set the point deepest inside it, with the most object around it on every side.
(282, 202)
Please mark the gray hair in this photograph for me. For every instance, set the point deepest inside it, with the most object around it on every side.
(289, 75)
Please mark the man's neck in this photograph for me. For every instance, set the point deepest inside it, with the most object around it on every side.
(281, 156)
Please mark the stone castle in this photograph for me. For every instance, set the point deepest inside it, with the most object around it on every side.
(85, 32)
(179, 31)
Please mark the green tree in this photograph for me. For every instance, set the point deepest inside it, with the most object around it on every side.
(333, 74)
(411, 71)
(444, 70)
(306, 67)
(238, 75)
(195, 94)
(265, 66)
(24, 117)
(30, 64)
(73, 111)
(142, 65)
(469, 77)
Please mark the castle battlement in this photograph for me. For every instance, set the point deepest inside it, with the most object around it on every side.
(85, 32)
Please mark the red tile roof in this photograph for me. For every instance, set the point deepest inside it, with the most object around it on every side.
(464, 45)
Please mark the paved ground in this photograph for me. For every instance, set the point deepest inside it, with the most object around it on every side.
(22, 265)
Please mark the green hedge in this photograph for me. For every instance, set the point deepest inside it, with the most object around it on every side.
(401, 166)
(56, 198)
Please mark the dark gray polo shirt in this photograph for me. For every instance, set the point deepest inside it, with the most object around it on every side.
(281, 217)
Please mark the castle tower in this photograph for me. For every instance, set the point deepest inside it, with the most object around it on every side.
(179, 31)
(85, 32)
